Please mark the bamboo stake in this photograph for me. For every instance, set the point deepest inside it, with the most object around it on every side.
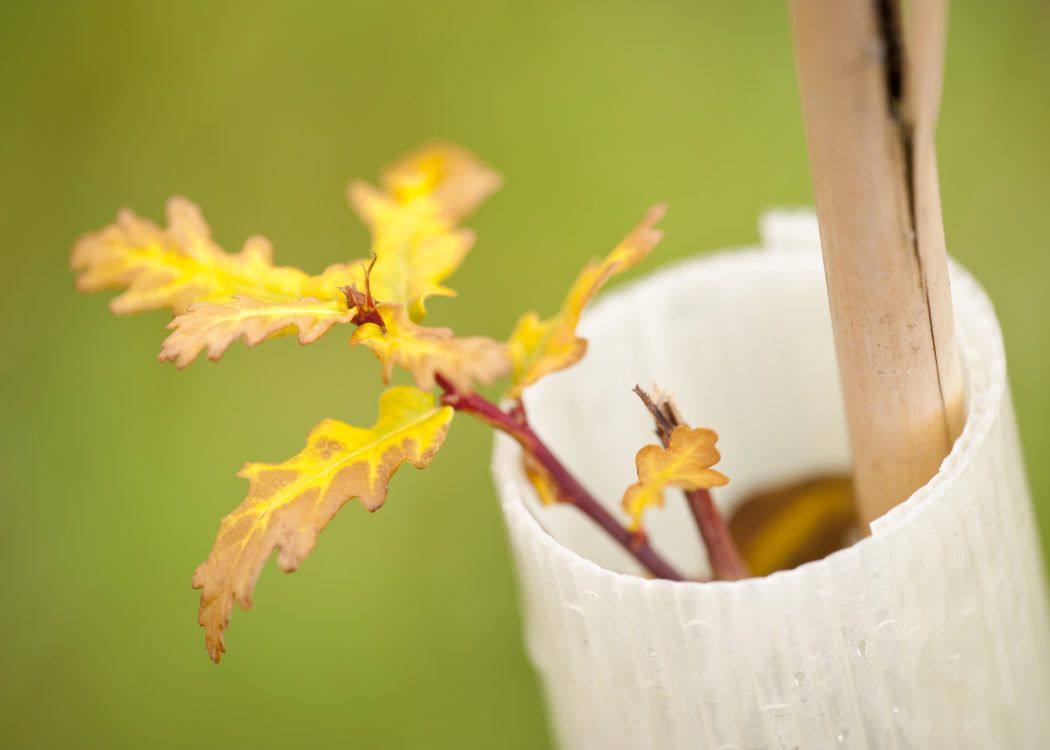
(870, 104)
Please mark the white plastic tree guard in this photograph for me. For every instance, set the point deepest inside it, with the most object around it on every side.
(932, 632)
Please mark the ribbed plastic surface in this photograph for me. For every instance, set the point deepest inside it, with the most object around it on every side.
(932, 633)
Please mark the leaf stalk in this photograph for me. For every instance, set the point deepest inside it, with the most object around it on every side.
(725, 559)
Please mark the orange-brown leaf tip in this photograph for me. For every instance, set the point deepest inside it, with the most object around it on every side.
(425, 352)
(290, 503)
(685, 464)
(214, 326)
(540, 347)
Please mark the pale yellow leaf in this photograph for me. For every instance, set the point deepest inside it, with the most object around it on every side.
(410, 264)
(685, 464)
(439, 178)
(179, 265)
(214, 326)
(540, 347)
(426, 352)
(413, 217)
(290, 503)
(782, 527)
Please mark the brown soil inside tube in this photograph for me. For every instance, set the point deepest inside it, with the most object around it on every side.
(783, 527)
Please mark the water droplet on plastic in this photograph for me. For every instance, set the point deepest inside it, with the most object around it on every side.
(843, 736)
(862, 648)
(800, 677)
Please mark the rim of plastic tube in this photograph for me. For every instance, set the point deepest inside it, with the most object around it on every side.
(980, 348)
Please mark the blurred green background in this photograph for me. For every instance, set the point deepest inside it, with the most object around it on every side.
(401, 630)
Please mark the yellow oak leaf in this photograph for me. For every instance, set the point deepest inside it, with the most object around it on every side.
(214, 326)
(685, 464)
(782, 527)
(179, 265)
(438, 179)
(412, 217)
(426, 352)
(416, 246)
(540, 347)
(290, 503)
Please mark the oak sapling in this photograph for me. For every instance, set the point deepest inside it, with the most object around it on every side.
(413, 215)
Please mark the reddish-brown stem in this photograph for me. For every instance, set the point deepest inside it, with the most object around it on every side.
(722, 552)
(726, 561)
(515, 425)
(365, 303)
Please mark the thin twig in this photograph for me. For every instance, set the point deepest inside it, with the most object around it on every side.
(515, 425)
(726, 562)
